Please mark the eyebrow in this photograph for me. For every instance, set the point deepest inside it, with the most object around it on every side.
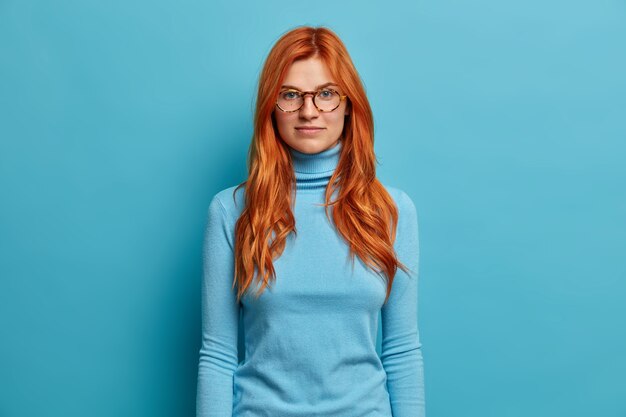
(317, 88)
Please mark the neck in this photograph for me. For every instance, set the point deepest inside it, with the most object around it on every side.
(313, 171)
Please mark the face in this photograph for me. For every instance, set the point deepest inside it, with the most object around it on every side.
(308, 75)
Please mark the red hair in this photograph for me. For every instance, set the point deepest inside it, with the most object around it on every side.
(364, 213)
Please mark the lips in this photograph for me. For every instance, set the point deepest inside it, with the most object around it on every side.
(309, 128)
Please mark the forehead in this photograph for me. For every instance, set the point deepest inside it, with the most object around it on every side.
(308, 74)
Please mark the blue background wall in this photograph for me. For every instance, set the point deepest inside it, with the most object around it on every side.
(504, 121)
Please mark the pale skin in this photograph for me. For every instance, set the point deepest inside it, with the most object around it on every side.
(308, 75)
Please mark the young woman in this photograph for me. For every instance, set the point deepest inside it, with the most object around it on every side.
(310, 249)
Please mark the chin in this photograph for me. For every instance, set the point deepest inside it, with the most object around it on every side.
(312, 146)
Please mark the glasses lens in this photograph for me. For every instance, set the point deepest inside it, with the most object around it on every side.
(289, 100)
(327, 99)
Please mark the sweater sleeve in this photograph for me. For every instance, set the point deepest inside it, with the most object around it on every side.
(401, 352)
(220, 318)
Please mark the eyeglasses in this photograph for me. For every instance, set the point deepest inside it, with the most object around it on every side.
(325, 99)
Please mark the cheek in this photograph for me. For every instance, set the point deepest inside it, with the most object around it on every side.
(282, 122)
(285, 124)
(337, 121)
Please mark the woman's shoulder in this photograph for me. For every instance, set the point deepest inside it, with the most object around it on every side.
(402, 199)
(231, 200)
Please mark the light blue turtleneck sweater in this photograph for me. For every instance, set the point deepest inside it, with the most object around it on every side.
(310, 339)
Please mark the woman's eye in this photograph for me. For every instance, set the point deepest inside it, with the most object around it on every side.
(289, 95)
(326, 94)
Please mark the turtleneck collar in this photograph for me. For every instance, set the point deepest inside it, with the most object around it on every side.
(313, 171)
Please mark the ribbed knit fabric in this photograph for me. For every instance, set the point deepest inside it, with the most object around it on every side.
(310, 339)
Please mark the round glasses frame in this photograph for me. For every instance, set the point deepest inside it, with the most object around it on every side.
(303, 94)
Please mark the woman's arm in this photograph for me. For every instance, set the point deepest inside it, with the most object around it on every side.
(401, 353)
(220, 318)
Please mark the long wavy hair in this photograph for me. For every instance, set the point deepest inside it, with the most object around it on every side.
(364, 213)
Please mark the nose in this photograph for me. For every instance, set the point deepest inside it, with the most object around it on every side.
(308, 109)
